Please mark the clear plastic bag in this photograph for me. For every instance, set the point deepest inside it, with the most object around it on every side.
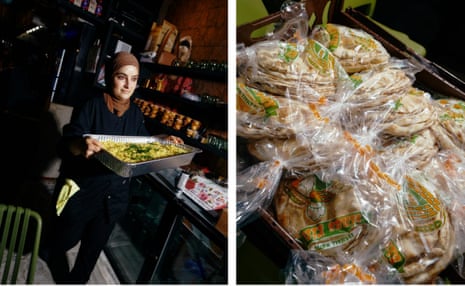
(355, 49)
(256, 186)
(373, 134)
(262, 115)
(447, 170)
(304, 70)
(309, 267)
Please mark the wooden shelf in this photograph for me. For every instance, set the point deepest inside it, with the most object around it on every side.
(86, 15)
(148, 69)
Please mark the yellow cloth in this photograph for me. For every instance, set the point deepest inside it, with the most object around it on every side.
(67, 191)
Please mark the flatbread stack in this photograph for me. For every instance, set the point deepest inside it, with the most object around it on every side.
(355, 49)
(418, 149)
(335, 136)
(307, 72)
(296, 152)
(325, 217)
(377, 87)
(423, 239)
(374, 96)
(412, 112)
(448, 171)
(261, 115)
(451, 128)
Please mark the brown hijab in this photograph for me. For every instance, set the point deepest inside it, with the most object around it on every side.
(120, 59)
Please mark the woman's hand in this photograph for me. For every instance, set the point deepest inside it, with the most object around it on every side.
(174, 139)
(170, 138)
(92, 146)
(86, 146)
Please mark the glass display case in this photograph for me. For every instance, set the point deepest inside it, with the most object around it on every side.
(167, 238)
(190, 257)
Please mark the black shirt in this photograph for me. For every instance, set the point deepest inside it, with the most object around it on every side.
(100, 188)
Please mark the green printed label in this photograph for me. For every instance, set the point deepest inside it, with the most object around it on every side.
(337, 227)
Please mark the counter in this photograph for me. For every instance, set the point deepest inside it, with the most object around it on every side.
(166, 237)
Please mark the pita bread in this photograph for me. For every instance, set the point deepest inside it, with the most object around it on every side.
(413, 112)
(446, 140)
(423, 240)
(324, 217)
(452, 117)
(304, 72)
(374, 98)
(418, 149)
(355, 49)
(376, 87)
(262, 115)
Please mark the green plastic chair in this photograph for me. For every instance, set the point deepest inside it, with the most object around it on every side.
(15, 226)
(365, 6)
(251, 10)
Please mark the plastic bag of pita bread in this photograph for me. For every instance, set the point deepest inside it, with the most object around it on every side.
(423, 235)
(375, 98)
(418, 149)
(447, 170)
(333, 218)
(451, 128)
(304, 152)
(342, 209)
(289, 63)
(260, 114)
(355, 49)
(305, 71)
(310, 267)
(294, 157)
(413, 112)
(380, 85)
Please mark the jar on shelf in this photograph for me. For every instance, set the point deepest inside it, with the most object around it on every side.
(195, 125)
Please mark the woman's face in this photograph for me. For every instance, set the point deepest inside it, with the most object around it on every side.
(125, 82)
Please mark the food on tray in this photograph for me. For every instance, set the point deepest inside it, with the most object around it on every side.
(141, 152)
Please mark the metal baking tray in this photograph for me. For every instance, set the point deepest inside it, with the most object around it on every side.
(125, 169)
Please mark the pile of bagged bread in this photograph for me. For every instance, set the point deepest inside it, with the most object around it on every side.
(373, 166)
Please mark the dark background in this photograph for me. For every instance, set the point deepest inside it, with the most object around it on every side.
(438, 25)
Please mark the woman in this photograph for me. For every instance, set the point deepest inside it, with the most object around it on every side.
(89, 198)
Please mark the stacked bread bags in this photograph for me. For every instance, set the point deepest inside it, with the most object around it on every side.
(287, 132)
(376, 121)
